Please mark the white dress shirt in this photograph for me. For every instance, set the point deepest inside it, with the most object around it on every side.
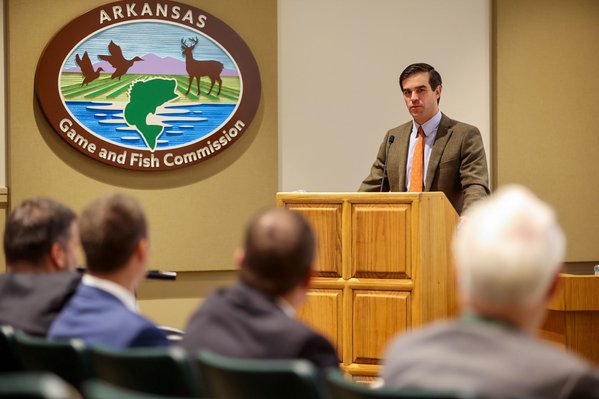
(122, 294)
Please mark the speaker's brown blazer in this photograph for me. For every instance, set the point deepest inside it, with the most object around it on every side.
(457, 166)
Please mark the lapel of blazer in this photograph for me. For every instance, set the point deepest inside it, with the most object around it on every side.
(401, 152)
(443, 134)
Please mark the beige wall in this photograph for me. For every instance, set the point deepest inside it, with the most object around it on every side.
(197, 213)
(546, 110)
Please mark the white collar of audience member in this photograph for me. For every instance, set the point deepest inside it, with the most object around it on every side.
(286, 307)
(127, 298)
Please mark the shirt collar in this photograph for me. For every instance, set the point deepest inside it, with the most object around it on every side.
(429, 126)
(286, 307)
(123, 295)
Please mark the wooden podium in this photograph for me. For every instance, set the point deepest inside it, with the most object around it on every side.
(384, 265)
(572, 320)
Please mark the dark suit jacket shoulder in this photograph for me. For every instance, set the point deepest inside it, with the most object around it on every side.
(31, 301)
(99, 318)
(457, 166)
(242, 322)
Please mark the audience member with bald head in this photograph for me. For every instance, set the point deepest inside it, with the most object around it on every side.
(508, 252)
(255, 318)
(103, 311)
(40, 246)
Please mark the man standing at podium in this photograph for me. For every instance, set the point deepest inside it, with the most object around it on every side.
(432, 152)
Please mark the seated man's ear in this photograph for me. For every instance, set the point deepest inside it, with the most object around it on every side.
(239, 257)
(58, 257)
(142, 250)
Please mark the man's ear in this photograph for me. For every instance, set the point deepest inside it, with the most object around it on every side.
(58, 257)
(239, 257)
(438, 91)
(142, 249)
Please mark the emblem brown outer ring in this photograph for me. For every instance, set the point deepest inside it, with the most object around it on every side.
(48, 73)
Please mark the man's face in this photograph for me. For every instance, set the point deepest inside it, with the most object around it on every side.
(420, 99)
(71, 248)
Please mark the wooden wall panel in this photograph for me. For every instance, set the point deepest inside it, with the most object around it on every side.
(3, 216)
(573, 317)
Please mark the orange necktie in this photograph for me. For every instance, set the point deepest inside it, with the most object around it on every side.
(417, 163)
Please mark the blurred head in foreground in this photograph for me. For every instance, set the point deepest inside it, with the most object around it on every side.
(40, 236)
(508, 251)
(114, 236)
(278, 254)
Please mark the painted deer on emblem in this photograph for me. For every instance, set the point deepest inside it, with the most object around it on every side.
(196, 68)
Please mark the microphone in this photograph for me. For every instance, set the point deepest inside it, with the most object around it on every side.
(389, 141)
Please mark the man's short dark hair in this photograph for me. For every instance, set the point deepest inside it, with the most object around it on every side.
(33, 227)
(111, 228)
(279, 251)
(434, 78)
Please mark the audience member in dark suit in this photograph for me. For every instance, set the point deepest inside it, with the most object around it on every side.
(255, 318)
(103, 311)
(508, 252)
(40, 247)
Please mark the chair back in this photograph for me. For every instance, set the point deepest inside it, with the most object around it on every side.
(174, 335)
(159, 371)
(35, 386)
(9, 362)
(67, 359)
(232, 378)
(340, 388)
(98, 389)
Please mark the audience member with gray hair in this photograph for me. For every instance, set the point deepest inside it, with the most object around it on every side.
(508, 252)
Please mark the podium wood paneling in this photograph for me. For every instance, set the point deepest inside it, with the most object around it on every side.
(387, 256)
(377, 316)
(573, 316)
(323, 311)
(326, 219)
(383, 267)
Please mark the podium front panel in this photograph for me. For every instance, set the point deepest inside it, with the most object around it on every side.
(384, 267)
(325, 219)
(323, 312)
(377, 317)
(381, 241)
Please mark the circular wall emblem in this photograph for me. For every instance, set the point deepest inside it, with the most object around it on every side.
(153, 85)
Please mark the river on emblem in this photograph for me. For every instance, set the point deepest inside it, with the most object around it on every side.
(183, 124)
